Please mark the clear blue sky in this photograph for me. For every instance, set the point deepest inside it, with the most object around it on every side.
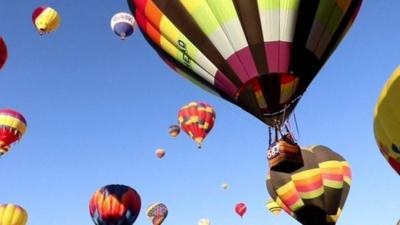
(97, 108)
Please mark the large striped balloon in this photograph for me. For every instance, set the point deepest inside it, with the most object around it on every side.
(316, 193)
(115, 205)
(259, 54)
(197, 120)
(11, 214)
(45, 19)
(387, 121)
(3, 52)
(123, 24)
(12, 127)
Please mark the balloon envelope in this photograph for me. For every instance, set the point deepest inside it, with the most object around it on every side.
(123, 24)
(225, 186)
(386, 122)
(197, 120)
(160, 153)
(157, 213)
(115, 204)
(241, 209)
(273, 207)
(12, 127)
(204, 221)
(314, 194)
(12, 215)
(3, 52)
(260, 55)
(45, 19)
(174, 130)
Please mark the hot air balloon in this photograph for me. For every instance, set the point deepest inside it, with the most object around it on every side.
(12, 215)
(115, 204)
(123, 24)
(225, 186)
(197, 120)
(386, 122)
(3, 52)
(273, 207)
(45, 19)
(204, 221)
(160, 153)
(240, 209)
(260, 55)
(12, 127)
(174, 130)
(316, 193)
(157, 213)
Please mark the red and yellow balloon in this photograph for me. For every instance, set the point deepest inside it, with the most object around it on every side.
(115, 204)
(197, 120)
(12, 126)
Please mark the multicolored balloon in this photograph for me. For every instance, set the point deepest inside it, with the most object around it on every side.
(123, 24)
(259, 55)
(316, 193)
(197, 120)
(45, 19)
(12, 126)
(241, 209)
(11, 214)
(157, 213)
(204, 221)
(174, 130)
(160, 153)
(386, 122)
(3, 52)
(273, 207)
(225, 186)
(115, 204)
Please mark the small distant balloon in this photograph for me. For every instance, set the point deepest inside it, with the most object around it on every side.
(174, 130)
(123, 24)
(45, 19)
(160, 153)
(12, 127)
(157, 213)
(273, 207)
(241, 209)
(204, 221)
(12, 215)
(225, 186)
(3, 52)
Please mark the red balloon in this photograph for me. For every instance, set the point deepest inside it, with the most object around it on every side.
(3, 52)
(115, 204)
(241, 209)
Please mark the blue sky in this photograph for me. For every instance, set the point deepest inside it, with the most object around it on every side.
(97, 108)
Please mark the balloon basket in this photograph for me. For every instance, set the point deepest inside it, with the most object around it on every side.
(285, 156)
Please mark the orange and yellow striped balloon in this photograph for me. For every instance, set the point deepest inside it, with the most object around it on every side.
(11, 214)
(197, 120)
(316, 193)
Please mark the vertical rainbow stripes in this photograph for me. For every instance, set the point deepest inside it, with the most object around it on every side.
(233, 44)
